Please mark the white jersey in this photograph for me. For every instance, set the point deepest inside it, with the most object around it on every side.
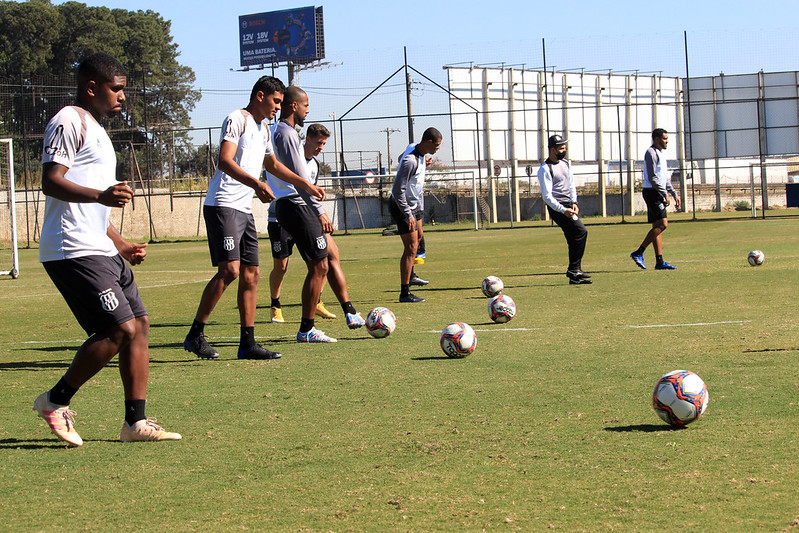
(74, 139)
(253, 143)
(313, 177)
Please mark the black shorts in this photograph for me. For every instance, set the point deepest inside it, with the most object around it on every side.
(100, 290)
(400, 218)
(655, 205)
(281, 241)
(304, 227)
(231, 235)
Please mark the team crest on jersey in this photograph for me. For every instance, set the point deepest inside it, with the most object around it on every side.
(108, 300)
(321, 242)
(277, 247)
(228, 244)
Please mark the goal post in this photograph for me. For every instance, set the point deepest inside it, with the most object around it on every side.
(8, 211)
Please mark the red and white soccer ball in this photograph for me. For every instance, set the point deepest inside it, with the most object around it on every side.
(680, 397)
(501, 308)
(380, 322)
(458, 340)
(756, 258)
(492, 286)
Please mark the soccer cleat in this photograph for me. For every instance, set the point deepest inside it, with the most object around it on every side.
(200, 347)
(410, 298)
(314, 335)
(638, 259)
(665, 266)
(322, 311)
(146, 430)
(577, 274)
(580, 281)
(419, 259)
(416, 280)
(256, 351)
(354, 321)
(61, 419)
(277, 314)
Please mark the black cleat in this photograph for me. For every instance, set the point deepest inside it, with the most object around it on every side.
(410, 298)
(416, 280)
(577, 274)
(580, 281)
(256, 351)
(200, 347)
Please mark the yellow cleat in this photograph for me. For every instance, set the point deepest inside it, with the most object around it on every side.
(277, 314)
(322, 311)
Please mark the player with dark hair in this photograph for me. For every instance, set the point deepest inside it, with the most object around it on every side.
(656, 190)
(245, 149)
(85, 255)
(282, 243)
(559, 192)
(407, 207)
(304, 218)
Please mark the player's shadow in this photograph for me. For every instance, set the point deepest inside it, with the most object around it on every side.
(644, 428)
(34, 365)
(31, 444)
(433, 358)
(764, 350)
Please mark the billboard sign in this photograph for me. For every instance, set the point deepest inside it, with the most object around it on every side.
(276, 36)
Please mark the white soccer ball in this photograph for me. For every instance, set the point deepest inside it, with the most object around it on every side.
(458, 340)
(501, 308)
(756, 258)
(492, 286)
(380, 322)
(680, 397)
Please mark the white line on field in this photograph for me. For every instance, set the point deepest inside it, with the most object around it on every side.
(692, 324)
(54, 293)
(491, 329)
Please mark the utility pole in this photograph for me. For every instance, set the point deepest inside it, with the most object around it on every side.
(408, 97)
(335, 143)
(388, 131)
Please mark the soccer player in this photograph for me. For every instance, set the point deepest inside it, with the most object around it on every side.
(558, 190)
(306, 220)
(245, 149)
(85, 255)
(282, 243)
(657, 187)
(407, 207)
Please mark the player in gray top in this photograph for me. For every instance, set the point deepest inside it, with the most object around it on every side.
(656, 190)
(407, 206)
(560, 194)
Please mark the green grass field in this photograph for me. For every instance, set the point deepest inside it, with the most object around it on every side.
(548, 425)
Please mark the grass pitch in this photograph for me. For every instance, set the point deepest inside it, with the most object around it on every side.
(547, 425)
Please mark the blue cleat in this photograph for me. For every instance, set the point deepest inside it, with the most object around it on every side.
(639, 260)
(665, 266)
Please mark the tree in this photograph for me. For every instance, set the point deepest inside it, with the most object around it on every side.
(41, 45)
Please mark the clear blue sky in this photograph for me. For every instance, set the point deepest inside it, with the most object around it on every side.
(364, 41)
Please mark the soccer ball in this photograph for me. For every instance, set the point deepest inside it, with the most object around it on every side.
(492, 286)
(680, 397)
(458, 340)
(501, 308)
(380, 322)
(756, 258)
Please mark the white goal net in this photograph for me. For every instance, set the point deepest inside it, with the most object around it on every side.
(9, 259)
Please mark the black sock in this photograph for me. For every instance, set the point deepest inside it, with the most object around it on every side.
(659, 259)
(134, 411)
(306, 325)
(247, 337)
(405, 290)
(640, 250)
(197, 329)
(276, 302)
(62, 393)
(348, 308)
(413, 273)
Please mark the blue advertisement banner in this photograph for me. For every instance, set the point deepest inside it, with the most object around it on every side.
(277, 36)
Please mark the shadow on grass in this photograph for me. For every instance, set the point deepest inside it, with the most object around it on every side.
(31, 444)
(765, 350)
(35, 365)
(645, 428)
(434, 358)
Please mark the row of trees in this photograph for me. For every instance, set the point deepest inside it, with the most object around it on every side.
(41, 44)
